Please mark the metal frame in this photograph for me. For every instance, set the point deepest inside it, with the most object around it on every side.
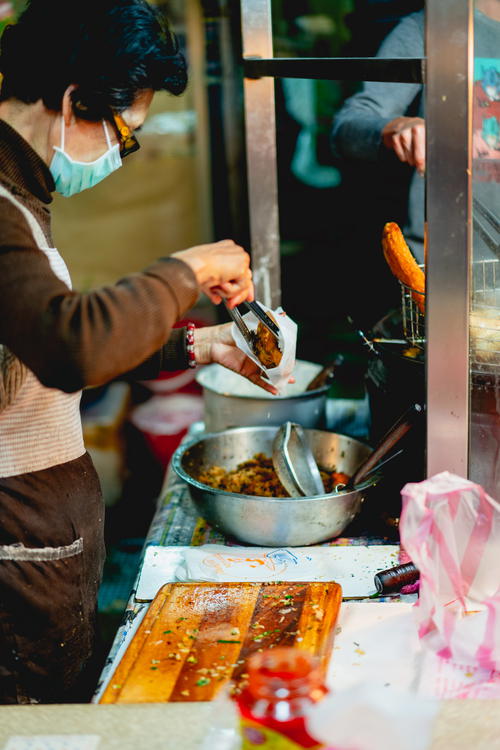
(449, 78)
(260, 69)
(260, 120)
(409, 70)
(449, 208)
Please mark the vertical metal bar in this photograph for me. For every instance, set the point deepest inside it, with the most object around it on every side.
(260, 117)
(449, 38)
(196, 51)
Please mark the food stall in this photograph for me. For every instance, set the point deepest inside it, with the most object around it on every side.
(156, 654)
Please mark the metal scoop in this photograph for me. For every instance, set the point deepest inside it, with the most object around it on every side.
(294, 462)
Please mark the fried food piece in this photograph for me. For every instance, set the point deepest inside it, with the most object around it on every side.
(266, 346)
(258, 477)
(332, 478)
(254, 477)
(485, 336)
(402, 263)
(412, 352)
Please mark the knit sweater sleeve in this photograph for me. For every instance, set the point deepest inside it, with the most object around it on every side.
(357, 127)
(172, 356)
(71, 340)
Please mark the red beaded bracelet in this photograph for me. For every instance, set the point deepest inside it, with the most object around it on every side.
(190, 345)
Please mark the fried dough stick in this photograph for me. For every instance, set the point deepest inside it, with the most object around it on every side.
(402, 263)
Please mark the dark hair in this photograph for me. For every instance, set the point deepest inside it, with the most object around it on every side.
(111, 49)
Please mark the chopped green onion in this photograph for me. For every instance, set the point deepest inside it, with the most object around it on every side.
(221, 640)
(203, 681)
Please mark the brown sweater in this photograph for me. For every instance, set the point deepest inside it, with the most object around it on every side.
(68, 339)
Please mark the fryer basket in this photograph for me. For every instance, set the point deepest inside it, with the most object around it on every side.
(484, 320)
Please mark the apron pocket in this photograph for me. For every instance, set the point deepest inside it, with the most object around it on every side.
(20, 553)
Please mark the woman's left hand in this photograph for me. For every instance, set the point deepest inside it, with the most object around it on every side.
(216, 344)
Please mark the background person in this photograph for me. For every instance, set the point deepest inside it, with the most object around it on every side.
(386, 120)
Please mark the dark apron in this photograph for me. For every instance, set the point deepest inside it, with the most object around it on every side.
(51, 558)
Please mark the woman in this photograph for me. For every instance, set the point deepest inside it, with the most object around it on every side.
(78, 79)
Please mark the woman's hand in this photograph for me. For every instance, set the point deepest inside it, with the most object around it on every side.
(406, 137)
(222, 269)
(216, 344)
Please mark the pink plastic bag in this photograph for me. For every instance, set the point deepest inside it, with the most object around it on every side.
(450, 528)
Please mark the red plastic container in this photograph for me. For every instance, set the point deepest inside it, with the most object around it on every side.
(175, 404)
(165, 419)
(283, 684)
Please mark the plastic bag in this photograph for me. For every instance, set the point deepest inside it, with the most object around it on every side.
(450, 528)
(368, 718)
(222, 724)
(287, 342)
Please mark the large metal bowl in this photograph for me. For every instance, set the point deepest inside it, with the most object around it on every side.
(232, 401)
(271, 521)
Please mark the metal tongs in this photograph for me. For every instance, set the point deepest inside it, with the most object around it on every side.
(257, 310)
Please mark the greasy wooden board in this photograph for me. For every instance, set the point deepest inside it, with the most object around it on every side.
(195, 637)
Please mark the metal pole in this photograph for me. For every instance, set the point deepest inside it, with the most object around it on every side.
(449, 39)
(260, 119)
(196, 50)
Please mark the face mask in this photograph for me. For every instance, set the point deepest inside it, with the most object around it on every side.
(72, 176)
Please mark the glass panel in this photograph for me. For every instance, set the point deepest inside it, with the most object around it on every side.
(485, 312)
(344, 28)
(335, 205)
(314, 28)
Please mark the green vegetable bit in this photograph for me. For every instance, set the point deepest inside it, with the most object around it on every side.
(223, 641)
(203, 681)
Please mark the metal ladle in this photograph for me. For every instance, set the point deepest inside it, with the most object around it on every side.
(298, 472)
(294, 462)
(296, 466)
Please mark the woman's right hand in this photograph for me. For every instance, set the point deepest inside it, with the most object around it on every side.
(222, 269)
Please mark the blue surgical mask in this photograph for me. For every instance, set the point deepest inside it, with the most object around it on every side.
(72, 176)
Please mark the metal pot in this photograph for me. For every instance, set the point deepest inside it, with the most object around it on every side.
(232, 401)
(272, 521)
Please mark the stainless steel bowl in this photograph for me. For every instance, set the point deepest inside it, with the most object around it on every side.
(232, 401)
(271, 521)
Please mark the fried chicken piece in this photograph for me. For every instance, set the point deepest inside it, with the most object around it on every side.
(266, 346)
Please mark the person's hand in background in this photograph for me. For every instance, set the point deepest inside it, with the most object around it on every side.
(216, 344)
(406, 137)
(222, 270)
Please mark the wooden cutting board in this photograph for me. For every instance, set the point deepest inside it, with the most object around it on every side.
(196, 637)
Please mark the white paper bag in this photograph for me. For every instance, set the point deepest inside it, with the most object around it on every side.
(287, 342)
